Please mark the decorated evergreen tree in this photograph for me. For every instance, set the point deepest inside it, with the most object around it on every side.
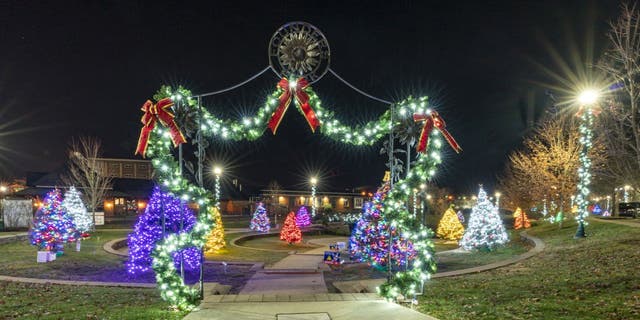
(369, 239)
(460, 216)
(520, 220)
(260, 220)
(290, 231)
(75, 207)
(450, 227)
(485, 229)
(52, 225)
(215, 241)
(302, 217)
(148, 230)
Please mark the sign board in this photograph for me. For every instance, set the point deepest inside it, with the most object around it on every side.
(99, 218)
(341, 245)
(331, 257)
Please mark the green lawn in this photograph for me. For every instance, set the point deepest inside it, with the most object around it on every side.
(592, 278)
(19, 258)
(45, 301)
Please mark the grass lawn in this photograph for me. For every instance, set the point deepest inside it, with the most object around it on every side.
(592, 278)
(45, 301)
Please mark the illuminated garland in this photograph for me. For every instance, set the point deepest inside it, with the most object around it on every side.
(395, 209)
(172, 287)
(584, 174)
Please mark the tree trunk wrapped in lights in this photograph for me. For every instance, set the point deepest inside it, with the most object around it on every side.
(520, 220)
(290, 231)
(450, 227)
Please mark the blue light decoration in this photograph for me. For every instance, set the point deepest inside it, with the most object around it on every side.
(260, 220)
(369, 241)
(596, 209)
(302, 217)
(52, 225)
(148, 230)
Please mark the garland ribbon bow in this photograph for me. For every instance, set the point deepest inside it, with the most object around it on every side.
(431, 120)
(153, 113)
(290, 89)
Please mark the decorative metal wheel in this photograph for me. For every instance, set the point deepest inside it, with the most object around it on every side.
(299, 49)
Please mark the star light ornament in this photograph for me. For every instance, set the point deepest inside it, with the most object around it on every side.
(485, 229)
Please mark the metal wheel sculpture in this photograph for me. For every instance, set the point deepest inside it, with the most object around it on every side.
(299, 49)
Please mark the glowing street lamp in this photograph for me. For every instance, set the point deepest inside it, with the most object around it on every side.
(314, 182)
(498, 194)
(586, 99)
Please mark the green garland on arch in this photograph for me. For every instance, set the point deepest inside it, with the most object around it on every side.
(184, 297)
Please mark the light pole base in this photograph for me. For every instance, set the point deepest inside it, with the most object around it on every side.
(580, 232)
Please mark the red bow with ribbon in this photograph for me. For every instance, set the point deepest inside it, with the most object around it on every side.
(293, 89)
(153, 113)
(433, 120)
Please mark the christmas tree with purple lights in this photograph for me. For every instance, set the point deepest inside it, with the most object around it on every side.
(370, 237)
(260, 220)
(148, 230)
(302, 217)
(52, 225)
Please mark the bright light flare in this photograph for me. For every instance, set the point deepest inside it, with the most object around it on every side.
(588, 97)
(217, 171)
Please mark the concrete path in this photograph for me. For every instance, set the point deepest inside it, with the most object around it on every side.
(306, 310)
(285, 282)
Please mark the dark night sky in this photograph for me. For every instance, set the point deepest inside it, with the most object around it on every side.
(77, 68)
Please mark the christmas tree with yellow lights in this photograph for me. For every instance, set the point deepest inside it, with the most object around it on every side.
(450, 227)
(215, 241)
(520, 220)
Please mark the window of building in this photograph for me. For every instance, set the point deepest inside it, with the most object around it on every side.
(357, 202)
(118, 201)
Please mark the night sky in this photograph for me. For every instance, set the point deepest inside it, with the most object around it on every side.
(85, 68)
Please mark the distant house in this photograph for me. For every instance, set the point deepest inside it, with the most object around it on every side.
(336, 201)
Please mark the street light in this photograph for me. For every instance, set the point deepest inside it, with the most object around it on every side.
(313, 181)
(587, 99)
(498, 194)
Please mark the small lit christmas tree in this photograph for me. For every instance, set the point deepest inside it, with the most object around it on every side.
(596, 209)
(148, 230)
(215, 241)
(460, 216)
(290, 231)
(75, 207)
(302, 217)
(52, 225)
(520, 220)
(260, 220)
(369, 239)
(485, 229)
(450, 227)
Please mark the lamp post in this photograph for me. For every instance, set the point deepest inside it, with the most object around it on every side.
(498, 194)
(587, 99)
(313, 181)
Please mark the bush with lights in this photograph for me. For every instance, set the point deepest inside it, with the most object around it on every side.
(52, 225)
(485, 230)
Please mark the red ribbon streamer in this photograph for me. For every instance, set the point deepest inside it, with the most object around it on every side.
(430, 121)
(301, 96)
(153, 113)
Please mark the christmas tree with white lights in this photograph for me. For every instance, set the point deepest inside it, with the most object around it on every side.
(75, 207)
(260, 220)
(485, 229)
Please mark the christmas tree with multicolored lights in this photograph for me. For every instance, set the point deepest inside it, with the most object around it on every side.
(290, 231)
(165, 214)
(485, 229)
(369, 239)
(302, 217)
(215, 241)
(52, 225)
(520, 220)
(260, 220)
(450, 227)
(75, 207)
